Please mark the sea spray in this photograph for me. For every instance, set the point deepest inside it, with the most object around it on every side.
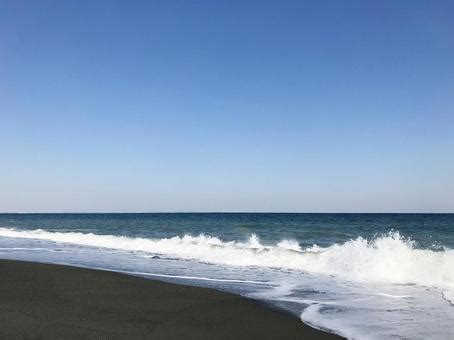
(388, 258)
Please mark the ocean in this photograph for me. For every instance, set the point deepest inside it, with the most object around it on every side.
(363, 276)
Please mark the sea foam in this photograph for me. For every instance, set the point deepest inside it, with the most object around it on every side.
(385, 259)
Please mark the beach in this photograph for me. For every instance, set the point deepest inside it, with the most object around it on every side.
(47, 301)
(345, 273)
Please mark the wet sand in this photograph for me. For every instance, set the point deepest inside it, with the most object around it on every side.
(44, 301)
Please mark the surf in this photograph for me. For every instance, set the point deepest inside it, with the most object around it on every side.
(388, 258)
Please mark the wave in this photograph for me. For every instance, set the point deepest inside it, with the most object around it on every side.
(385, 259)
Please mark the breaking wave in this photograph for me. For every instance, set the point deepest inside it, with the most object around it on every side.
(389, 258)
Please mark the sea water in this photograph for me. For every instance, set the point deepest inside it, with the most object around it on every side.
(363, 276)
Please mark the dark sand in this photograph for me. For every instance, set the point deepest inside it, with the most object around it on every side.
(42, 301)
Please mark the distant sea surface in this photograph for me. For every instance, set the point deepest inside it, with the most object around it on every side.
(364, 276)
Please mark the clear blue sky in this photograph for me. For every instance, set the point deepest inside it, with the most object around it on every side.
(309, 106)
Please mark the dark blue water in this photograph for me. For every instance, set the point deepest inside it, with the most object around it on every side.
(428, 230)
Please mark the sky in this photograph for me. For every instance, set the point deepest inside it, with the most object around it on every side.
(268, 106)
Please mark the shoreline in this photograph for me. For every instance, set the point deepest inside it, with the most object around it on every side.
(52, 301)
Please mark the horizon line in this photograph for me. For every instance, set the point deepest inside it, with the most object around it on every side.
(213, 212)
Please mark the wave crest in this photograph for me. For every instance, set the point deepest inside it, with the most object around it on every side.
(389, 258)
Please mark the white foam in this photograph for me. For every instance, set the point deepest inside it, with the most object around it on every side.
(448, 295)
(290, 245)
(193, 278)
(385, 259)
